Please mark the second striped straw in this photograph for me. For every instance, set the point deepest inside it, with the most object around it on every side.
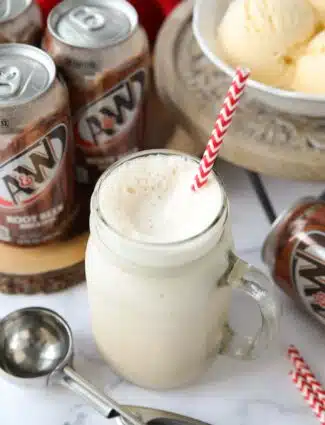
(306, 382)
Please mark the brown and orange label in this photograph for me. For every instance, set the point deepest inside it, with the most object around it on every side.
(300, 258)
(37, 181)
(109, 115)
(112, 124)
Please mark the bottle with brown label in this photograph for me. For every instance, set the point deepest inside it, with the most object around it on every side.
(37, 201)
(104, 56)
(295, 252)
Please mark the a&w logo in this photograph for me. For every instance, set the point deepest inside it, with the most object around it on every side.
(113, 113)
(308, 272)
(26, 175)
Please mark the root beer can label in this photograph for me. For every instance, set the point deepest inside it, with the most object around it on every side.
(296, 248)
(308, 272)
(35, 200)
(25, 176)
(109, 126)
(36, 155)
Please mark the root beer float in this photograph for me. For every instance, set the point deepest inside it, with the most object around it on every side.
(36, 152)
(20, 21)
(103, 54)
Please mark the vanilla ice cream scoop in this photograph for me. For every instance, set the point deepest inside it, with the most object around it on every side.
(266, 36)
(310, 69)
(319, 6)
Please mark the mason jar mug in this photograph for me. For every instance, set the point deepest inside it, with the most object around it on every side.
(160, 311)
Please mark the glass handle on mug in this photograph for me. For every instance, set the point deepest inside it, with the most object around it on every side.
(251, 280)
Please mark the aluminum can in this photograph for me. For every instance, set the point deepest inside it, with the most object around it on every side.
(295, 253)
(104, 56)
(20, 22)
(37, 154)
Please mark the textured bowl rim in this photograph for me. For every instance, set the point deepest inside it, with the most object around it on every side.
(230, 71)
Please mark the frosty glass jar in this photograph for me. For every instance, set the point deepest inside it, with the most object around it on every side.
(159, 311)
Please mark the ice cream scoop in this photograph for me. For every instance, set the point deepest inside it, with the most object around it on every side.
(36, 348)
(266, 36)
(319, 6)
(310, 68)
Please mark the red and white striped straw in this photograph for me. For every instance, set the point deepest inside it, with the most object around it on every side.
(319, 394)
(310, 396)
(221, 126)
(302, 367)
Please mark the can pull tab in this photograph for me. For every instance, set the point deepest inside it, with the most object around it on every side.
(88, 18)
(4, 8)
(10, 78)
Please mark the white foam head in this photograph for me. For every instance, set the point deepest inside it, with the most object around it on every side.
(149, 199)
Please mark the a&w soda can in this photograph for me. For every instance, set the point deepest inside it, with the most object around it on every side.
(20, 21)
(36, 150)
(103, 54)
(295, 252)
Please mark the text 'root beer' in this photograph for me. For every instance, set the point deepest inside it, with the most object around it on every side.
(36, 154)
(103, 54)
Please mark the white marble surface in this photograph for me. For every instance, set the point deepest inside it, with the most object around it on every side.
(232, 392)
(290, 192)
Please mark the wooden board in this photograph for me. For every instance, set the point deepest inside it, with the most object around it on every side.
(260, 138)
(45, 269)
(49, 267)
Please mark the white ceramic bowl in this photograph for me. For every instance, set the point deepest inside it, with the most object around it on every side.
(206, 19)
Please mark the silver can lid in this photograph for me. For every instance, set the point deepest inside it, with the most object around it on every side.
(10, 9)
(92, 23)
(25, 73)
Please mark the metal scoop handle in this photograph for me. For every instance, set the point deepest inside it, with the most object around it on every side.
(102, 403)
